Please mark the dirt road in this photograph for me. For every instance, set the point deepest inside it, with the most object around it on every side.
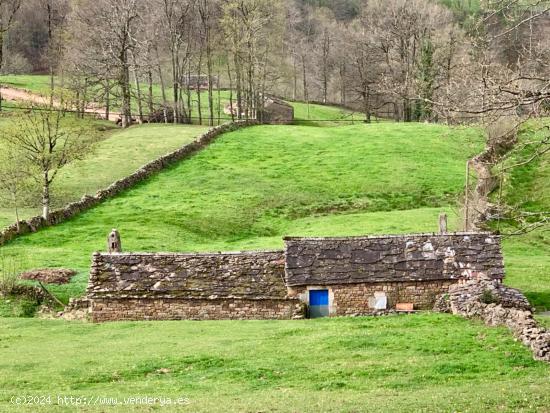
(13, 95)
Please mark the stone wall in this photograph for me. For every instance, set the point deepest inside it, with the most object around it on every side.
(194, 309)
(354, 299)
(497, 305)
(195, 286)
(393, 258)
(146, 171)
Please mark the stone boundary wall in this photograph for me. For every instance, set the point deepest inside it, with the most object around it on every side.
(497, 305)
(240, 285)
(402, 258)
(146, 171)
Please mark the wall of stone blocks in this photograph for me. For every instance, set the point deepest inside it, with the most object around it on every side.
(163, 286)
(356, 299)
(193, 309)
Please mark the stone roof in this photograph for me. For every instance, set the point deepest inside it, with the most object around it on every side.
(393, 258)
(250, 275)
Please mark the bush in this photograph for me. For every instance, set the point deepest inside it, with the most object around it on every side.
(9, 274)
(487, 297)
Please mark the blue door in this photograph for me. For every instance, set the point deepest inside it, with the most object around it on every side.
(318, 303)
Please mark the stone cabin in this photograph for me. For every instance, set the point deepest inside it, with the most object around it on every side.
(310, 277)
(359, 275)
(276, 111)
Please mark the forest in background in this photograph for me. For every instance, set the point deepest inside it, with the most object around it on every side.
(415, 60)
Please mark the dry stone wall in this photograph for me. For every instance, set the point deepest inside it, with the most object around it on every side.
(194, 309)
(393, 258)
(146, 171)
(497, 305)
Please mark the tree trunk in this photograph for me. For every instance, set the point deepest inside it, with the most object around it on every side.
(209, 70)
(15, 203)
(124, 83)
(219, 93)
(162, 87)
(199, 66)
(46, 197)
(304, 75)
(295, 76)
(343, 84)
(230, 91)
(150, 96)
(50, 65)
(239, 86)
(107, 99)
(189, 91)
(138, 92)
(175, 85)
(1, 64)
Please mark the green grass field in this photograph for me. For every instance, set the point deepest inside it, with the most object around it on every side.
(33, 83)
(118, 154)
(245, 191)
(277, 180)
(428, 363)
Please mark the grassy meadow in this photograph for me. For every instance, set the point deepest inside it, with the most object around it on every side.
(416, 363)
(117, 154)
(245, 191)
(277, 180)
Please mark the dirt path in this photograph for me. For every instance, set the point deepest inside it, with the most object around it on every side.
(13, 95)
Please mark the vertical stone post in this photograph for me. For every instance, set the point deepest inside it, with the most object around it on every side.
(442, 223)
(113, 242)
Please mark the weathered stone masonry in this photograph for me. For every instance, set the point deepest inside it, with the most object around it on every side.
(189, 286)
(406, 268)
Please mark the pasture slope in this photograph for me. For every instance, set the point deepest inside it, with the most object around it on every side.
(245, 191)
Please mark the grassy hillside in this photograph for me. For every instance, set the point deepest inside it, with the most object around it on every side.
(324, 115)
(252, 186)
(528, 188)
(429, 363)
(34, 83)
(118, 154)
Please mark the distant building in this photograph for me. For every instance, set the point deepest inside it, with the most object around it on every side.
(276, 110)
(199, 82)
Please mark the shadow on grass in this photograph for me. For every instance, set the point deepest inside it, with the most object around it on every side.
(539, 300)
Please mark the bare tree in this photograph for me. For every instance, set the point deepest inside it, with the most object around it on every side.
(111, 28)
(8, 11)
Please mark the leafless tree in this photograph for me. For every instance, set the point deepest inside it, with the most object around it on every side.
(8, 11)
(111, 28)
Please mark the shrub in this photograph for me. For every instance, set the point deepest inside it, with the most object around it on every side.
(9, 274)
(487, 297)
